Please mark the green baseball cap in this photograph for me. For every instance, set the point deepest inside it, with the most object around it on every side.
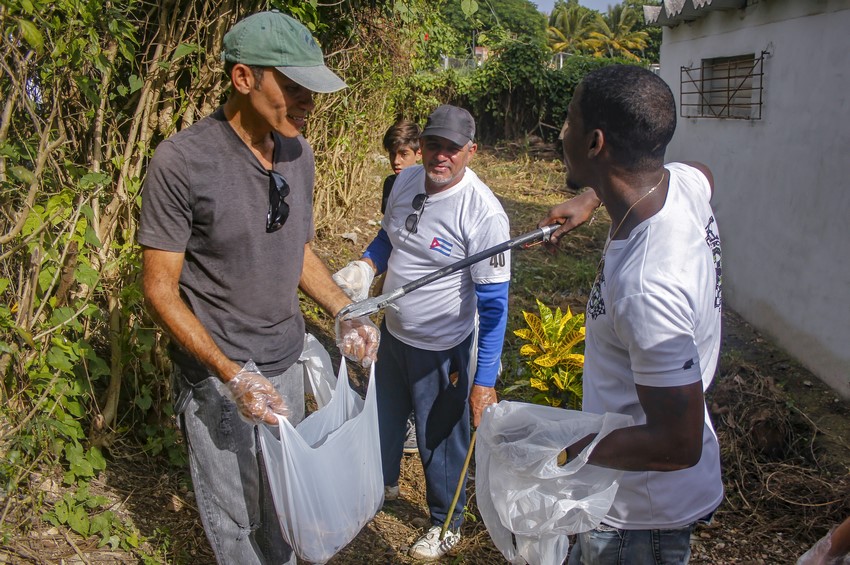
(273, 39)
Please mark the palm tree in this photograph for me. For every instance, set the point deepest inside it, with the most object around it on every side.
(570, 26)
(614, 34)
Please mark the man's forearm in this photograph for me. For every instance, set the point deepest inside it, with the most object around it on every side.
(172, 314)
(316, 282)
(493, 318)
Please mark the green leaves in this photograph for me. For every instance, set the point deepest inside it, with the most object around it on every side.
(72, 510)
(31, 34)
(554, 355)
(82, 464)
(468, 7)
(184, 49)
(22, 174)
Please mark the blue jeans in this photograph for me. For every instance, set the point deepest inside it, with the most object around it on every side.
(231, 488)
(607, 545)
(435, 384)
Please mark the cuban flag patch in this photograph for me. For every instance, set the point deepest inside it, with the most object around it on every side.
(441, 245)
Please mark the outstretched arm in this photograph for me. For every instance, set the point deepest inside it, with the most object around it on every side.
(570, 214)
(377, 255)
(355, 279)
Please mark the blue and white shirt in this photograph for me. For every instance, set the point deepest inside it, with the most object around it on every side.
(454, 224)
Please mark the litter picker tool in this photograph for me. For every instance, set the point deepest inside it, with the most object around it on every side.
(373, 305)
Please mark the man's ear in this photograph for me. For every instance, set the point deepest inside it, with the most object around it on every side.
(597, 142)
(242, 78)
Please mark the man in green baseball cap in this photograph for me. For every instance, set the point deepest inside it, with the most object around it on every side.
(273, 39)
(226, 225)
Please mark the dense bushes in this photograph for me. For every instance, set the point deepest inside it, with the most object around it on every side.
(514, 94)
(89, 89)
(519, 93)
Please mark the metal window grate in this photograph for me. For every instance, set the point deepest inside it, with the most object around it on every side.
(727, 87)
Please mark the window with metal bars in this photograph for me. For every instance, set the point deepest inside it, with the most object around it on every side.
(725, 87)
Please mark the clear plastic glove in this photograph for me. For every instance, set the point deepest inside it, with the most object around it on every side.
(256, 398)
(355, 279)
(358, 340)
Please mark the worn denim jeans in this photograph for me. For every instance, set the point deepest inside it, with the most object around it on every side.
(607, 545)
(435, 384)
(231, 486)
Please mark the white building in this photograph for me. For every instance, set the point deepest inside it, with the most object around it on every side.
(763, 92)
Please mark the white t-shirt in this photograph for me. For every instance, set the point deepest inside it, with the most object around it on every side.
(653, 319)
(454, 224)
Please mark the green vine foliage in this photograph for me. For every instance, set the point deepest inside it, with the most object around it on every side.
(554, 353)
(89, 89)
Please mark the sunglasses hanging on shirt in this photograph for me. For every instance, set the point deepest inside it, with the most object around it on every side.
(412, 221)
(278, 208)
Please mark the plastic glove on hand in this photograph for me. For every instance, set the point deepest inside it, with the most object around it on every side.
(355, 279)
(358, 340)
(256, 398)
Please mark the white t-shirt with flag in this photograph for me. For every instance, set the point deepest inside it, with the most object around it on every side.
(454, 224)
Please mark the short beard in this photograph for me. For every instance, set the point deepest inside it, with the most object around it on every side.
(438, 181)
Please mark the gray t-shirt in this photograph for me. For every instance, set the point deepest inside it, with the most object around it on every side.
(207, 195)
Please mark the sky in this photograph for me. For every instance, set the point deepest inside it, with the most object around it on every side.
(601, 5)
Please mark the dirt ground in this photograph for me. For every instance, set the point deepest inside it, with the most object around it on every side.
(785, 441)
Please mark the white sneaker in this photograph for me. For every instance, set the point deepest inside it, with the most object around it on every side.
(430, 547)
(390, 493)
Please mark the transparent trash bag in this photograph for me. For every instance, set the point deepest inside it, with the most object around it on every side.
(325, 474)
(528, 503)
(318, 371)
(818, 554)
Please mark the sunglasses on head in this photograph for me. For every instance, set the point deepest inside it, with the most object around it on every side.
(278, 208)
(412, 220)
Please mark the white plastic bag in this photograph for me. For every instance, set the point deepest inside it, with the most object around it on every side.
(325, 474)
(818, 554)
(528, 503)
(318, 370)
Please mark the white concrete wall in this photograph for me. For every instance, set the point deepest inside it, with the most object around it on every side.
(782, 183)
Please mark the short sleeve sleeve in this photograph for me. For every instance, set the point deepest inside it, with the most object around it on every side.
(489, 233)
(166, 216)
(659, 334)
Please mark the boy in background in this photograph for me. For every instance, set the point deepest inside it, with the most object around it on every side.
(401, 142)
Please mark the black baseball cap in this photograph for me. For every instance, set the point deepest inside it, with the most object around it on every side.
(452, 123)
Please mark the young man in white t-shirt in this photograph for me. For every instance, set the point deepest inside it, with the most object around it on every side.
(653, 317)
(437, 214)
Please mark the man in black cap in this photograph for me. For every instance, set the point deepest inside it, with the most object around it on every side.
(226, 225)
(430, 358)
